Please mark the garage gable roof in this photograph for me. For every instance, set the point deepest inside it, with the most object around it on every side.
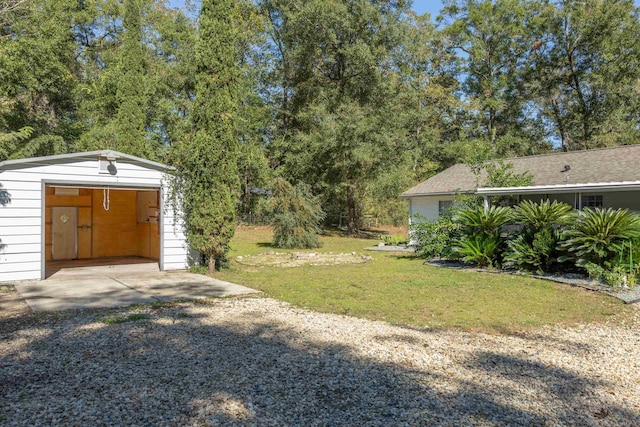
(62, 158)
(574, 168)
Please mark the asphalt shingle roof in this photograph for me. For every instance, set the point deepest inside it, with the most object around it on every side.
(604, 165)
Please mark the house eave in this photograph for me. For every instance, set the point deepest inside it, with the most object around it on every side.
(442, 193)
(561, 188)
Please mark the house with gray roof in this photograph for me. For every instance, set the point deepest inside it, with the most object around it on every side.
(606, 177)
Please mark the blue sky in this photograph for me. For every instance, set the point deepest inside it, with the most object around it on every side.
(433, 7)
(427, 6)
(419, 6)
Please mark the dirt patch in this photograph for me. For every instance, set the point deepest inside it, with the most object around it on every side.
(298, 259)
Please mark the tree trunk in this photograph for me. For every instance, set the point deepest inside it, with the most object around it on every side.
(352, 214)
(211, 264)
(577, 87)
(564, 137)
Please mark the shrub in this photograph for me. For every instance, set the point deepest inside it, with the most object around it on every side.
(394, 240)
(535, 248)
(501, 174)
(434, 239)
(477, 220)
(296, 216)
(627, 258)
(534, 253)
(482, 249)
(481, 242)
(621, 271)
(617, 276)
(537, 216)
(598, 236)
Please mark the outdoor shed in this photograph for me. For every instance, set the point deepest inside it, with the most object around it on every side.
(85, 207)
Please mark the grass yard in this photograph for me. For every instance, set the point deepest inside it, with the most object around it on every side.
(399, 288)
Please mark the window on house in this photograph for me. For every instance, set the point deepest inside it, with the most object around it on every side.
(506, 201)
(444, 206)
(592, 201)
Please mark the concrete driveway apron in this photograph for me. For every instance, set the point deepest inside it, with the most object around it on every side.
(120, 286)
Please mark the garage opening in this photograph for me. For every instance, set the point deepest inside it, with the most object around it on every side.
(91, 226)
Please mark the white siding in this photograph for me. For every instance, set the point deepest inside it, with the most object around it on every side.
(14, 267)
(20, 226)
(21, 239)
(15, 209)
(8, 223)
(20, 275)
(175, 251)
(21, 211)
(24, 194)
(425, 208)
(13, 185)
(21, 231)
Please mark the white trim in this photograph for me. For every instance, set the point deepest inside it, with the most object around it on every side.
(441, 193)
(101, 153)
(43, 234)
(161, 229)
(97, 185)
(579, 207)
(562, 188)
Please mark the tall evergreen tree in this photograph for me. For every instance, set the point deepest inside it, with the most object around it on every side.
(336, 92)
(171, 75)
(131, 97)
(207, 161)
(164, 63)
(38, 78)
(584, 72)
(495, 37)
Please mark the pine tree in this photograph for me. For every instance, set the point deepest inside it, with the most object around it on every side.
(207, 161)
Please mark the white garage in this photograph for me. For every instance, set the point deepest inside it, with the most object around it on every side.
(84, 209)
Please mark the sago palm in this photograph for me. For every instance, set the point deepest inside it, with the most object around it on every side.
(597, 235)
(534, 249)
(481, 250)
(536, 216)
(478, 220)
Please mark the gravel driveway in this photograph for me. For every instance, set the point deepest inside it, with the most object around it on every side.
(258, 361)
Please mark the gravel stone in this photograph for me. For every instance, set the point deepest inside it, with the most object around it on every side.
(258, 361)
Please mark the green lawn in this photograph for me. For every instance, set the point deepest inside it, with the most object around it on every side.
(401, 289)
